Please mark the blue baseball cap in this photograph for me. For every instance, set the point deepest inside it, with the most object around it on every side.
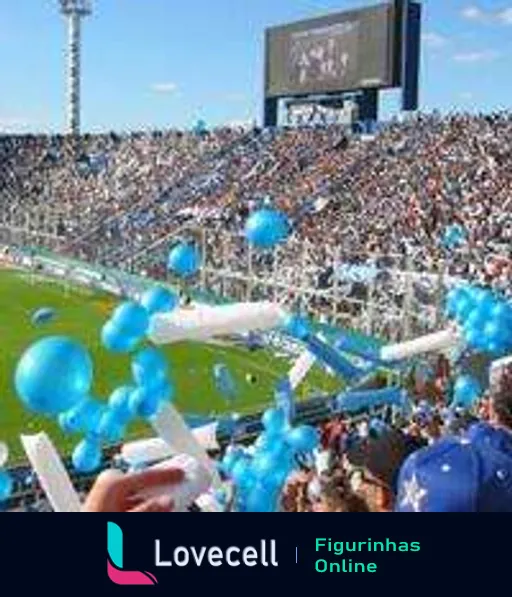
(472, 473)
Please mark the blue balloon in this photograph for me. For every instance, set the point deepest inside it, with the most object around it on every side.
(144, 402)
(263, 443)
(119, 403)
(454, 236)
(242, 473)
(464, 307)
(87, 456)
(266, 228)
(452, 299)
(264, 464)
(159, 300)
(495, 334)
(90, 412)
(486, 305)
(276, 478)
(261, 500)
(53, 375)
(84, 417)
(231, 457)
(131, 319)
(114, 339)
(502, 312)
(70, 422)
(149, 366)
(303, 438)
(6, 485)
(200, 127)
(297, 326)
(274, 421)
(110, 428)
(466, 390)
(475, 320)
(43, 315)
(474, 338)
(164, 390)
(184, 260)
(220, 497)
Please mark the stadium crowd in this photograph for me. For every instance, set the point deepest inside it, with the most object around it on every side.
(402, 188)
(385, 201)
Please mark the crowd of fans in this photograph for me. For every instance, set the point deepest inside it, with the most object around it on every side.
(360, 468)
(384, 202)
(394, 194)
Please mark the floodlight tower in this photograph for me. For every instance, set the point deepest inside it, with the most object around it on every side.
(74, 11)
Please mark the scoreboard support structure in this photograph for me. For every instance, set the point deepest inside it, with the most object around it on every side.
(406, 71)
(270, 112)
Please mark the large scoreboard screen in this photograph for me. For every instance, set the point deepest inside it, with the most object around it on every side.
(341, 52)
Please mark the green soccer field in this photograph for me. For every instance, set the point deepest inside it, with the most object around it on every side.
(80, 315)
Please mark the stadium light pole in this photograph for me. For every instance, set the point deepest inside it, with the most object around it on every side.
(74, 11)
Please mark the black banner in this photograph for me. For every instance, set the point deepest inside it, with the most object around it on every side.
(83, 554)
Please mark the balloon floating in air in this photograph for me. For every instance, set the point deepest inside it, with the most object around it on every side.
(159, 300)
(266, 228)
(184, 260)
(53, 375)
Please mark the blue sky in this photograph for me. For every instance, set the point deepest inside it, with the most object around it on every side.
(165, 63)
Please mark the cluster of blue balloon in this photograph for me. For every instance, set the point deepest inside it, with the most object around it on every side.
(126, 328)
(485, 318)
(130, 321)
(224, 381)
(266, 228)
(260, 474)
(54, 377)
(454, 236)
(184, 260)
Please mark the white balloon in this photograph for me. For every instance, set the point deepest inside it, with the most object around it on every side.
(4, 454)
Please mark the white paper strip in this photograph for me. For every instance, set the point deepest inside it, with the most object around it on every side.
(201, 322)
(171, 427)
(51, 472)
(431, 343)
(144, 451)
(300, 369)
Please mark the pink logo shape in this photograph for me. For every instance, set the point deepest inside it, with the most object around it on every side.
(129, 577)
(115, 561)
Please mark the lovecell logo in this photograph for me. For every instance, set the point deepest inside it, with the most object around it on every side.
(115, 561)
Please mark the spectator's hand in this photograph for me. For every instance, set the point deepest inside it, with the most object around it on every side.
(114, 491)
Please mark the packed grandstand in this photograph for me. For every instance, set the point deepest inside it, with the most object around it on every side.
(383, 203)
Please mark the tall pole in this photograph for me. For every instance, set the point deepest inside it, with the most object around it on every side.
(74, 74)
(74, 11)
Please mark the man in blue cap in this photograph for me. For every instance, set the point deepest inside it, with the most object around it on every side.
(472, 473)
